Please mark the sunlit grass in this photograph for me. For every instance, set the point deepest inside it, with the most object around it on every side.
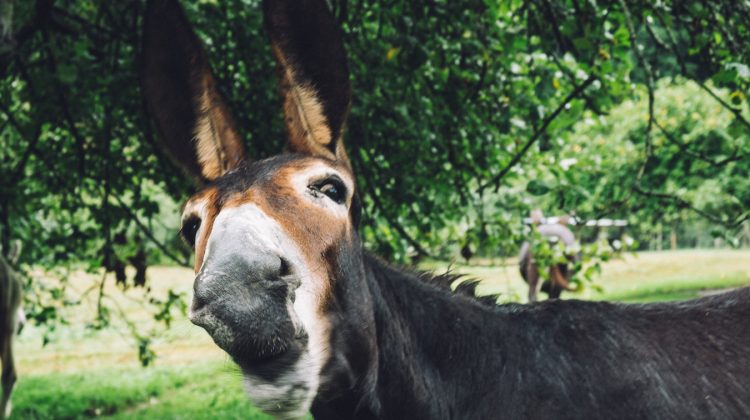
(646, 276)
(205, 390)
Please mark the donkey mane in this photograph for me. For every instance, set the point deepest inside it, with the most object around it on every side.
(467, 288)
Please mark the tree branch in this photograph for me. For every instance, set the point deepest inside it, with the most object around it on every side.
(649, 82)
(146, 231)
(17, 172)
(376, 200)
(537, 134)
(685, 149)
(62, 98)
(683, 67)
(572, 78)
(682, 203)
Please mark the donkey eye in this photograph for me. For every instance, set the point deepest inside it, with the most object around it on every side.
(190, 229)
(333, 188)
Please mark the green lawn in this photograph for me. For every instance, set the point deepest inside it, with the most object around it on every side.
(207, 390)
(643, 277)
(85, 373)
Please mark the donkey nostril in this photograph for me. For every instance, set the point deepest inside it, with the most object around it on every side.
(198, 302)
(284, 269)
(200, 299)
(201, 296)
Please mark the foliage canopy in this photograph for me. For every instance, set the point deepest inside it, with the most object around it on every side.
(466, 114)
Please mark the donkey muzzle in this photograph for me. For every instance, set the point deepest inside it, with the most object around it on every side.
(242, 300)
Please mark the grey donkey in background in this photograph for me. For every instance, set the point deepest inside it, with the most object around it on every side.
(12, 318)
(559, 274)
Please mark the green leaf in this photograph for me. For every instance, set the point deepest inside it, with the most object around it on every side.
(537, 187)
(67, 74)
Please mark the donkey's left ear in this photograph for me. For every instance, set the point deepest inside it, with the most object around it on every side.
(313, 75)
(195, 125)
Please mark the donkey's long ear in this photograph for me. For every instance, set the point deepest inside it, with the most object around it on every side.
(191, 115)
(313, 75)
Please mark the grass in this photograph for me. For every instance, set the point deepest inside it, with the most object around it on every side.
(95, 373)
(207, 390)
(643, 277)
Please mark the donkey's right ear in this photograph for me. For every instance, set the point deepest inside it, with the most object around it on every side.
(193, 120)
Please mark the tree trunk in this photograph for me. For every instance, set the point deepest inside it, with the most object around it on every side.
(659, 238)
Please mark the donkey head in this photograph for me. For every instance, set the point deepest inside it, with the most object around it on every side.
(271, 237)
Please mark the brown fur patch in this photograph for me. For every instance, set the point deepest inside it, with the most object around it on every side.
(205, 206)
(559, 278)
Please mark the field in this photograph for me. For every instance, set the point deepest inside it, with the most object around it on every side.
(641, 277)
(95, 373)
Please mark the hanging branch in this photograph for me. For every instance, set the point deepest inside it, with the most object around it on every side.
(683, 68)
(572, 78)
(659, 43)
(732, 43)
(93, 30)
(649, 83)
(146, 231)
(537, 134)
(379, 205)
(682, 203)
(735, 156)
(64, 105)
(449, 133)
(401, 231)
(548, 10)
(563, 46)
(17, 172)
(19, 38)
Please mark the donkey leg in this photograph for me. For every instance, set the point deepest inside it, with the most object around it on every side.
(554, 291)
(20, 320)
(533, 278)
(8, 376)
(553, 286)
(546, 287)
(559, 277)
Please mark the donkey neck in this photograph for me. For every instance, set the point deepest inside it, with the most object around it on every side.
(424, 333)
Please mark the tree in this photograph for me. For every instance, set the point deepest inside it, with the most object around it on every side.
(463, 116)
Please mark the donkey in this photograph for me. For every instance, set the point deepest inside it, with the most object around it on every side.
(558, 274)
(318, 324)
(11, 322)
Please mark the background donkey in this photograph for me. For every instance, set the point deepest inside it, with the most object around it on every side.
(316, 323)
(559, 274)
(11, 322)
